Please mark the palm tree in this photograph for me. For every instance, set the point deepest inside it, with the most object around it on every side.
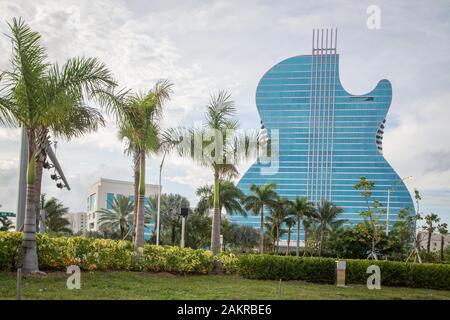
(325, 215)
(215, 145)
(430, 227)
(230, 198)
(279, 213)
(141, 130)
(290, 222)
(308, 223)
(260, 196)
(54, 215)
(301, 208)
(443, 230)
(118, 217)
(40, 97)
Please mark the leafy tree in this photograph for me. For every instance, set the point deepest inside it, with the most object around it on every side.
(301, 208)
(198, 230)
(430, 227)
(325, 215)
(40, 97)
(278, 215)
(259, 198)
(402, 234)
(141, 129)
(366, 189)
(243, 237)
(171, 205)
(54, 215)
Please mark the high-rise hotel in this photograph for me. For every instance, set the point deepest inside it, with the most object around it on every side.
(327, 137)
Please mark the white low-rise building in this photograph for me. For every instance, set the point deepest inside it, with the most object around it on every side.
(435, 243)
(78, 221)
(101, 195)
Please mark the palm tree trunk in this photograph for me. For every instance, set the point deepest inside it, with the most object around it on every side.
(29, 247)
(261, 232)
(139, 240)
(321, 241)
(136, 166)
(297, 249)
(288, 241)
(215, 234)
(429, 242)
(441, 256)
(42, 141)
(305, 251)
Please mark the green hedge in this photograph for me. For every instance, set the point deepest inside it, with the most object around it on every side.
(104, 254)
(323, 270)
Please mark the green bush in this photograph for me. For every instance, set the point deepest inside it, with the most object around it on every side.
(230, 262)
(56, 253)
(323, 270)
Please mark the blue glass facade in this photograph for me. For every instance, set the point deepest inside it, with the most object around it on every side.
(327, 138)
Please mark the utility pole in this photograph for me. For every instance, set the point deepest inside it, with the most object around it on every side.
(158, 210)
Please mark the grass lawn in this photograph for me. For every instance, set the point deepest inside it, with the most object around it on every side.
(133, 285)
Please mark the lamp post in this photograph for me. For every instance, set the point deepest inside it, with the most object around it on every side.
(158, 210)
(392, 189)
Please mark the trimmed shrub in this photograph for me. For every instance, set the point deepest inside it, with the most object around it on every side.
(230, 262)
(56, 253)
(323, 270)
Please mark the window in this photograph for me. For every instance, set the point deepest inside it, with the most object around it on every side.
(92, 202)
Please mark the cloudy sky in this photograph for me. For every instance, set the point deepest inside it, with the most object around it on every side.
(205, 46)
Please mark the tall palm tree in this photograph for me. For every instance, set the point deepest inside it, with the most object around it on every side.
(443, 230)
(301, 208)
(141, 129)
(54, 215)
(325, 215)
(279, 213)
(39, 96)
(215, 145)
(230, 198)
(308, 223)
(118, 217)
(260, 196)
(430, 226)
(290, 223)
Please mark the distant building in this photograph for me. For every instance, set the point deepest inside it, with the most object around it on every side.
(435, 244)
(78, 221)
(101, 195)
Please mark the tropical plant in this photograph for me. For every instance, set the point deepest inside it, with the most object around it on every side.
(171, 205)
(301, 208)
(443, 231)
(290, 223)
(326, 216)
(141, 129)
(230, 198)
(365, 187)
(215, 145)
(42, 97)
(118, 217)
(430, 226)
(242, 237)
(259, 198)
(279, 212)
(55, 211)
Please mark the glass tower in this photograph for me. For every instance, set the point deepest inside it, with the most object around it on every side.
(327, 138)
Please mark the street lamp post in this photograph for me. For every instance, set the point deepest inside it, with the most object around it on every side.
(158, 210)
(392, 189)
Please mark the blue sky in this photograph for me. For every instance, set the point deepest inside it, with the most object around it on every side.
(205, 46)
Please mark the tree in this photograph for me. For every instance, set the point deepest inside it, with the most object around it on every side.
(40, 96)
(54, 215)
(243, 237)
(402, 234)
(430, 226)
(260, 197)
(278, 215)
(366, 189)
(171, 205)
(325, 215)
(443, 230)
(198, 230)
(290, 222)
(301, 208)
(230, 198)
(215, 145)
(118, 217)
(141, 129)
